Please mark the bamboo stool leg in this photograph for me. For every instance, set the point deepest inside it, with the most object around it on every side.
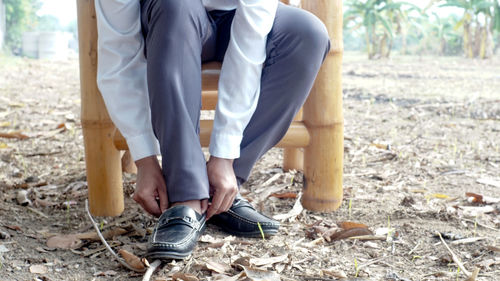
(293, 158)
(323, 158)
(102, 159)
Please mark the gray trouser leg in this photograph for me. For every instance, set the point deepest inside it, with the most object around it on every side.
(174, 33)
(180, 35)
(296, 48)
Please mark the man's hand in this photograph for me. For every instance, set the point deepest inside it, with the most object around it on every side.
(223, 186)
(150, 186)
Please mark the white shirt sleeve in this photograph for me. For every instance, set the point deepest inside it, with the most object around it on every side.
(239, 83)
(121, 74)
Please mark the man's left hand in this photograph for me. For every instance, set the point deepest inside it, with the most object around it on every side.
(223, 186)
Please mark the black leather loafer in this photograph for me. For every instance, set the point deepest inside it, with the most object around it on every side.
(243, 220)
(176, 233)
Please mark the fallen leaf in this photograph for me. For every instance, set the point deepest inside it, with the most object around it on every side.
(3, 249)
(255, 274)
(222, 277)
(476, 211)
(284, 195)
(438, 195)
(488, 181)
(13, 135)
(478, 198)
(117, 231)
(268, 261)
(349, 224)
(14, 227)
(3, 145)
(38, 269)
(293, 213)
(132, 260)
(69, 241)
(343, 234)
(243, 261)
(22, 198)
(184, 277)
(493, 248)
(106, 273)
(217, 267)
(334, 273)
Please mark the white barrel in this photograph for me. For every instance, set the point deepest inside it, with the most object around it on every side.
(52, 45)
(30, 44)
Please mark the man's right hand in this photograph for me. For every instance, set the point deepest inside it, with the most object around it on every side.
(150, 185)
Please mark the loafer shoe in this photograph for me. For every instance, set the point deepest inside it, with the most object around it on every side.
(176, 233)
(243, 220)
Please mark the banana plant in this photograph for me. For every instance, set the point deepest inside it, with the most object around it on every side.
(380, 19)
(480, 19)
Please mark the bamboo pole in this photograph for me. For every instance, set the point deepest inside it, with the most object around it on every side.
(297, 136)
(323, 158)
(102, 159)
(293, 158)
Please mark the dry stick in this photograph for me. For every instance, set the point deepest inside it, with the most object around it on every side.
(106, 243)
(152, 267)
(454, 257)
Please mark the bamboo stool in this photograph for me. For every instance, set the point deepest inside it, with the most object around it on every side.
(319, 132)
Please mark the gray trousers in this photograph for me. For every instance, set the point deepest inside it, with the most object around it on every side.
(179, 36)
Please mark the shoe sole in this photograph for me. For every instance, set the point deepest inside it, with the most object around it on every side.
(167, 256)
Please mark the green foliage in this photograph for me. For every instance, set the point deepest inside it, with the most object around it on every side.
(380, 20)
(20, 16)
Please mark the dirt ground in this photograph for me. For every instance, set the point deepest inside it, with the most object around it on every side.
(420, 132)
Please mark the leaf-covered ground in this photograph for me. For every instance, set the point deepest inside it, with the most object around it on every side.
(420, 133)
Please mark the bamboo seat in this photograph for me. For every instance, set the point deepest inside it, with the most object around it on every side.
(314, 141)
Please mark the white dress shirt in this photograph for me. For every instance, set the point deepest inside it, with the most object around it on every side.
(121, 75)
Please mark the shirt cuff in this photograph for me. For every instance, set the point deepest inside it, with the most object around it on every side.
(225, 146)
(142, 146)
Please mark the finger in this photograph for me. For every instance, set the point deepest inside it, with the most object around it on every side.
(204, 205)
(162, 193)
(216, 204)
(151, 206)
(228, 201)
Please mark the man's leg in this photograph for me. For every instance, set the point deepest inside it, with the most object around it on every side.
(175, 32)
(296, 48)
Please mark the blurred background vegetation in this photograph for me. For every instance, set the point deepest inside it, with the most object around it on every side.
(22, 16)
(380, 27)
(469, 28)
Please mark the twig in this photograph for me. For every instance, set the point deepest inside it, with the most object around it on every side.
(152, 267)
(106, 243)
(454, 257)
(38, 212)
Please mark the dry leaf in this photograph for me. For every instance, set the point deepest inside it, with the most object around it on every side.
(3, 145)
(487, 181)
(343, 234)
(476, 211)
(14, 135)
(184, 277)
(38, 269)
(349, 224)
(478, 198)
(268, 261)
(293, 213)
(132, 260)
(222, 277)
(217, 267)
(22, 198)
(493, 248)
(106, 273)
(255, 274)
(284, 195)
(334, 273)
(69, 241)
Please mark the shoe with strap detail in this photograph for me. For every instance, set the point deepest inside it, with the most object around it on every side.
(243, 220)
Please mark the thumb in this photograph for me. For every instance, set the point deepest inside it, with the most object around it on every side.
(162, 193)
